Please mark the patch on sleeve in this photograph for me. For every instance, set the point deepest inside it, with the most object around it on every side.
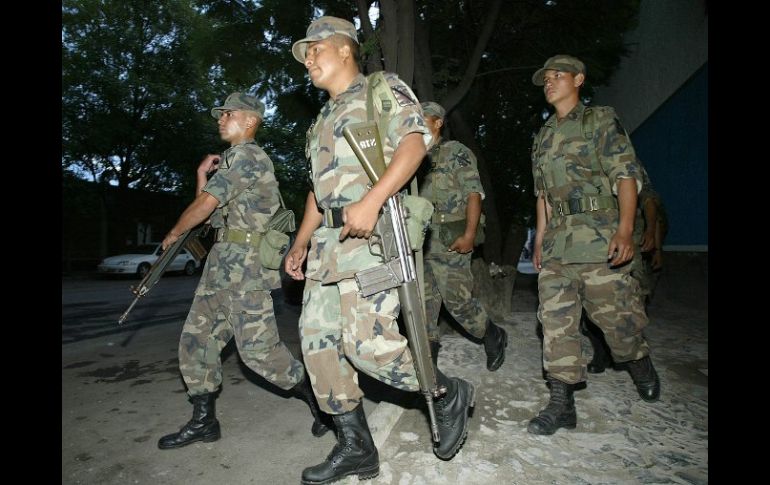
(462, 159)
(403, 96)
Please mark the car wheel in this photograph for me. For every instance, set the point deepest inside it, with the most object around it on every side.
(189, 268)
(142, 270)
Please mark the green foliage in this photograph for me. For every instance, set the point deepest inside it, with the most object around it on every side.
(133, 98)
(139, 79)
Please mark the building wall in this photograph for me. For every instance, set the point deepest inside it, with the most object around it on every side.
(660, 93)
(668, 45)
(673, 145)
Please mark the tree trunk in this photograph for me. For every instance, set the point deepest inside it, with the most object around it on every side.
(462, 89)
(389, 34)
(406, 46)
(374, 58)
(423, 71)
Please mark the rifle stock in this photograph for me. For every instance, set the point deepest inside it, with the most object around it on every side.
(189, 238)
(393, 239)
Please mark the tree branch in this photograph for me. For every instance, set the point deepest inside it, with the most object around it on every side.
(473, 65)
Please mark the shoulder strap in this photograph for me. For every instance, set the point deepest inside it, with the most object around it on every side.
(589, 127)
(378, 88)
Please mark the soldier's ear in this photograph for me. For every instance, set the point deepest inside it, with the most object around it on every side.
(580, 78)
(439, 123)
(344, 51)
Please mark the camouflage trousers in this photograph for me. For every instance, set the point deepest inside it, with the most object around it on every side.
(611, 299)
(641, 269)
(214, 318)
(448, 278)
(342, 331)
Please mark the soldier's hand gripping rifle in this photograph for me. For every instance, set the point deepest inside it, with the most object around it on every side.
(190, 239)
(398, 269)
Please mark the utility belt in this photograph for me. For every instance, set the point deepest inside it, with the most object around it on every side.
(332, 218)
(239, 237)
(438, 218)
(587, 203)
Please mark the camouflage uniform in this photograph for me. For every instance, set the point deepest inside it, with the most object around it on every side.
(452, 178)
(233, 296)
(339, 328)
(575, 270)
(641, 265)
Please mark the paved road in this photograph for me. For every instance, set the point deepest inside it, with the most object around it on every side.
(121, 391)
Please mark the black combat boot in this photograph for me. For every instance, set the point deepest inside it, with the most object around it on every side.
(435, 345)
(560, 411)
(354, 453)
(305, 392)
(202, 427)
(452, 414)
(602, 358)
(646, 379)
(495, 342)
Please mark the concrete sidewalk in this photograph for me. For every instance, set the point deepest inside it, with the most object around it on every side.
(117, 401)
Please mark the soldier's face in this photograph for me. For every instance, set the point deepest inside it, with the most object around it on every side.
(232, 125)
(434, 124)
(558, 85)
(323, 60)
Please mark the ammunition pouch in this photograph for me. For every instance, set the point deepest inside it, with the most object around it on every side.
(272, 248)
(380, 278)
(418, 217)
(587, 203)
(450, 228)
(282, 220)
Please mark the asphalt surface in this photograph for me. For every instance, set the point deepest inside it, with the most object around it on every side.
(121, 391)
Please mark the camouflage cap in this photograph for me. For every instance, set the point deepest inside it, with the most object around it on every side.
(429, 108)
(240, 101)
(320, 29)
(559, 62)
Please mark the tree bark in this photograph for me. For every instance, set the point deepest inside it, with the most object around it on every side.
(374, 58)
(406, 46)
(423, 70)
(389, 34)
(473, 65)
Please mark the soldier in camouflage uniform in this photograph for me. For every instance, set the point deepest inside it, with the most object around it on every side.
(586, 202)
(646, 227)
(233, 296)
(341, 330)
(454, 187)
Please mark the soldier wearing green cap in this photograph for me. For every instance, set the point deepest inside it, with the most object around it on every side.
(586, 186)
(233, 296)
(453, 185)
(343, 332)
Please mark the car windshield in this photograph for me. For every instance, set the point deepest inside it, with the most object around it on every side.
(145, 249)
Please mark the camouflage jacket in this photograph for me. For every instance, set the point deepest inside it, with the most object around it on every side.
(338, 177)
(562, 166)
(646, 194)
(247, 191)
(452, 177)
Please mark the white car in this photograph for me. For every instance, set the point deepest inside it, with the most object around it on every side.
(139, 262)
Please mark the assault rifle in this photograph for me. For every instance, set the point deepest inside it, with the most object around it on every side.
(398, 269)
(190, 240)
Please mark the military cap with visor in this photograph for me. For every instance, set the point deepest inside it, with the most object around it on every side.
(430, 108)
(242, 102)
(559, 62)
(323, 28)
